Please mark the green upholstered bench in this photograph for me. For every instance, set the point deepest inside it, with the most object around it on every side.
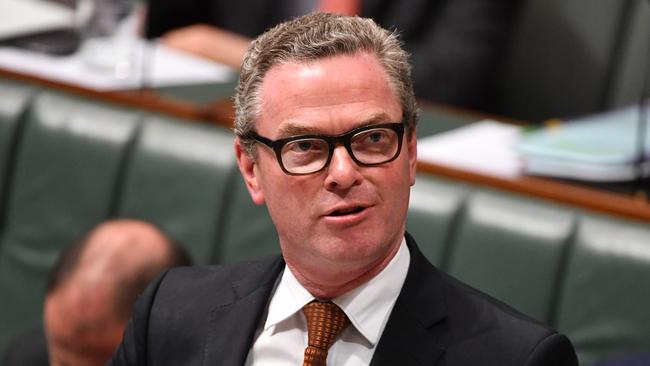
(586, 274)
(67, 163)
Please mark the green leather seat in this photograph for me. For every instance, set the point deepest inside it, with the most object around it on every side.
(512, 249)
(69, 157)
(74, 163)
(178, 177)
(14, 99)
(248, 230)
(604, 305)
(433, 213)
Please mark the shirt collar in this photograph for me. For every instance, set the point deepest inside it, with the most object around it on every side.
(367, 306)
(289, 298)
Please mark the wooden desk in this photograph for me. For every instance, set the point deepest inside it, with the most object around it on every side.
(220, 112)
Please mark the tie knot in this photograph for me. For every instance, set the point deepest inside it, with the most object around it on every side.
(325, 321)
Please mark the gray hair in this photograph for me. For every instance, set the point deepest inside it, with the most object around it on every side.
(316, 36)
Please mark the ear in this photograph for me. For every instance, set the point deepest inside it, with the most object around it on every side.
(249, 171)
(412, 144)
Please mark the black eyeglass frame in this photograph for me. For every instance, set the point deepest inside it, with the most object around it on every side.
(344, 139)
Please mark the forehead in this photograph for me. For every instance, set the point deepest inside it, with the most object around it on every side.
(332, 94)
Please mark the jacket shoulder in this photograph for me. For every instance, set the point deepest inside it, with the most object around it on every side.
(475, 328)
(487, 329)
(215, 277)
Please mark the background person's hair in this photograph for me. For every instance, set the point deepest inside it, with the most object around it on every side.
(312, 37)
(130, 284)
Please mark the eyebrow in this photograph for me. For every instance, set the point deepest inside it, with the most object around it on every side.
(295, 129)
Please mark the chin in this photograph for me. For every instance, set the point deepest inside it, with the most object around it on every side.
(353, 251)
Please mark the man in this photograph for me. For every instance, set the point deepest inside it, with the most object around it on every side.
(325, 124)
(91, 291)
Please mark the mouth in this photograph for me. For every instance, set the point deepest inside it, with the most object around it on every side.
(346, 211)
(348, 215)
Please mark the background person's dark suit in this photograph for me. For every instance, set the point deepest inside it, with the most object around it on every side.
(208, 316)
(457, 46)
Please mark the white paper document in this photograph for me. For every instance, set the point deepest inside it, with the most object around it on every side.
(20, 17)
(163, 66)
(486, 147)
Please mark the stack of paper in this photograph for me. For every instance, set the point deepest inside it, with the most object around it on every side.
(485, 147)
(601, 147)
(20, 17)
(164, 66)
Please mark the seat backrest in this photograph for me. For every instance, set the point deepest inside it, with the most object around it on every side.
(14, 99)
(68, 159)
(434, 209)
(604, 305)
(584, 274)
(248, 231)
(178, 176)
(512, 249)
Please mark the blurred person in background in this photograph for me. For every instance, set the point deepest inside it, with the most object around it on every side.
(456, 46)
(90, 294)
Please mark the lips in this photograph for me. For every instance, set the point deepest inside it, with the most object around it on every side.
(346, 210)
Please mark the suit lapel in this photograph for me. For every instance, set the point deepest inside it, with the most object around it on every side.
(416, 332)
(235, 318)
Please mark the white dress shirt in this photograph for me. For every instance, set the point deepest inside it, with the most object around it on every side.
(282, 337)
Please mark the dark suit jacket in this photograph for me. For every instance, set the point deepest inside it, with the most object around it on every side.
(208, 316)
(28, 349)
(457, 46)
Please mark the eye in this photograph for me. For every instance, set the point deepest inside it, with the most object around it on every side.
(372, 137)
(373, 144)
(375, 136)
(304, 153)
(303, 146)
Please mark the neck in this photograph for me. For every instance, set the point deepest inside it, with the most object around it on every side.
(329, 282)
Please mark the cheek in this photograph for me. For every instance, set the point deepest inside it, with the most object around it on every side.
(289, 199)
(394, 189)
(396, 179)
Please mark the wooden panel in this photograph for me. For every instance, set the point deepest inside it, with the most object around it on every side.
(587, 198)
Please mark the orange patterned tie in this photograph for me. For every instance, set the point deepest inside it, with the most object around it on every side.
(325, 321)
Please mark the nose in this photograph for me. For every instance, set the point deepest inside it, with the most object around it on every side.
(342, 172)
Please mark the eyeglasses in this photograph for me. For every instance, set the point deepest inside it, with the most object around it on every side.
(307, 154)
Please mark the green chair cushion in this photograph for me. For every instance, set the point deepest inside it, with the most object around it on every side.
(434, 207)
(69, 158)
(178, 177)
(512, 249)
(604, 305)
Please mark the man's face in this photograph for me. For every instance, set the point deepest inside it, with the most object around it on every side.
(345, 220)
